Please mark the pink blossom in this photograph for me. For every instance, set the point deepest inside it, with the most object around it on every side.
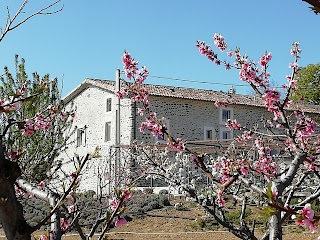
(113, 204)
(43, 237)
(220, 200)
(53, 109)
(42, 185)
(176, 144)
(229, 53)
(72, 208)
(219, 42)
(13, 155)
(73, 175)
(306, 217)
(233, 124)
(294, 65)
(63, 116)
(265, 59)
(206, 50)
(244, 170)
(127, 195)
(228, 66)
(130, 65)
(270, 98)
(274, 191)
(64, 224)
(120, 222)
(218, 103)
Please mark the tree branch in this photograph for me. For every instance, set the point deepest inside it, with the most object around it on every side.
(10, 21)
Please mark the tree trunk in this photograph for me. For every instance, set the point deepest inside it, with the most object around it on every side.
(275, 228)
(11, 212)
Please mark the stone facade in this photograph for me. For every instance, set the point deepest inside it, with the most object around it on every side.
(190, 113)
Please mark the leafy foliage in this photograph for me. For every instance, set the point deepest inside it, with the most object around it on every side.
(308, 82)
(36, 153)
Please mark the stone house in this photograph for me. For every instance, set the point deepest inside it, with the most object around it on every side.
(104, 121)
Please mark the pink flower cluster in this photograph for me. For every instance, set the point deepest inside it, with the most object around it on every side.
(264, 165)
(40, 122)
(176, 144)
(206, 50)
(265, 59)
(130, 65)
(271, 97)
(228, 167)
(246, 135)
(221, 202)
(305, 126)
(218, 103)
(64, 224)
(114, 204)
(219, 42)
(139, 93)
(233, 124)
(131, 69)
(153, 124)
(8, 106)
(248, 71)
(305, 217)
(43, 237)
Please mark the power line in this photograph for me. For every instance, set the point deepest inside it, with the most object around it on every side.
(204, 82)
(197, 81)
(211, 83)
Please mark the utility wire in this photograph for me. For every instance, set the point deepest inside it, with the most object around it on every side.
(197, 81)
(211, 83)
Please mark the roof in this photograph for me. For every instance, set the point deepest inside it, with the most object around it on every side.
(186, 93)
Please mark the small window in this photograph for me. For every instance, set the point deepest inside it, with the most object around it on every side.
(167, 126)
(107, 133)
(225, 114)
(81, 137)
(225, 133)
(209, 133)
(108, 107)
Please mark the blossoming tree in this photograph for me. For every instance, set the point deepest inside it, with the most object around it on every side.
(271, 163)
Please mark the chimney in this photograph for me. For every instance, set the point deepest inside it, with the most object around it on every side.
(232, 90)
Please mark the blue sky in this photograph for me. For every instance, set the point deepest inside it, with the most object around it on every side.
(87, 39)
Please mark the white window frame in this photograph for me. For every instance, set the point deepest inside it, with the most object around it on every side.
(108, 104)
(107, 131)
(221, 120)
(81, 137)
(205, 131)
(164, 139)
(225, 129)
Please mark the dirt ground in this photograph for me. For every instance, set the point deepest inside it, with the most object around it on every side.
(178, 225)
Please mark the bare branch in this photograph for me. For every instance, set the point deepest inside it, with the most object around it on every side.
(10, 25)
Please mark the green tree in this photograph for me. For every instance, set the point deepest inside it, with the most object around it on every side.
(37, 152)
(308, 83)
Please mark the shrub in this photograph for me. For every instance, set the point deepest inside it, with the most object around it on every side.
(180, 207)
(148, 190)
(163, 192)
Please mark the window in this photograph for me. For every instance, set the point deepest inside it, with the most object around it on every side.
(225, 114)
(167, 126)
(81, 137)
(108, 105)
(107, 132)
(225, 133)
(209, 133)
